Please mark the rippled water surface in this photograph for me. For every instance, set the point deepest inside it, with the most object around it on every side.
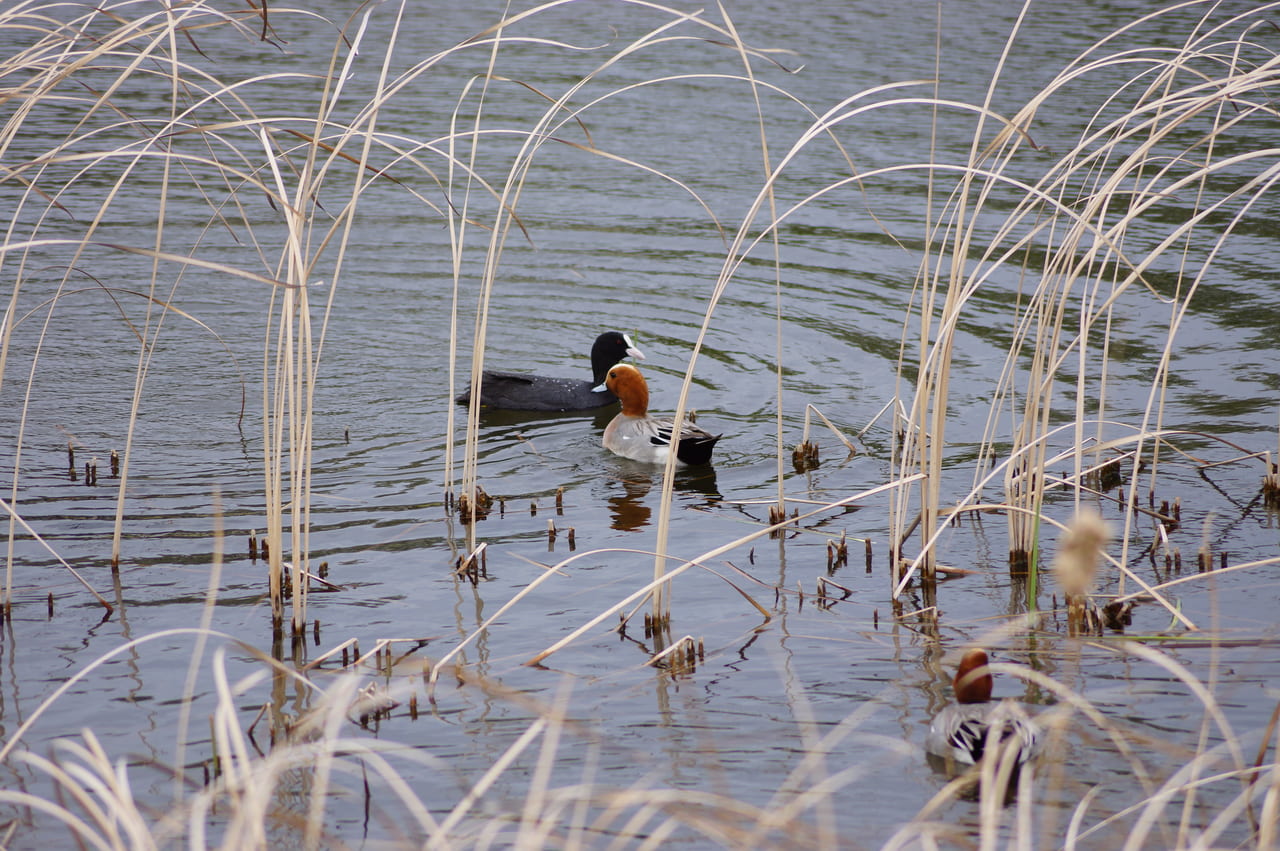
(604, 244)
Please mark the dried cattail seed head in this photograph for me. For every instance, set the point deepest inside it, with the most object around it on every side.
(1079, 549)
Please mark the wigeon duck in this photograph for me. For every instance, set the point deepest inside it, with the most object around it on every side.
(519, 391)
(636, 435)
(961, 732)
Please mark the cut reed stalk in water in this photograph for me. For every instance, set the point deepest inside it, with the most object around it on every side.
(805, 457)
(824, 583)
(777, 515)
(475, 505)
(1271, 486)
(473, 566)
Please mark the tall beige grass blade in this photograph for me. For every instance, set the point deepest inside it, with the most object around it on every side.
(18, 734)
(17, 518)
(766, 168)
(441, 838)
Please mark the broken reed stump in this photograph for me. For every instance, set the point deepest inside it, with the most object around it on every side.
(805, 457)
(1083, 617)
(90, 466)
(1271, 488)
(473, 566)
(1116, 616)
(837, 554)
(468, 512)
(777, 514)
(655, 625)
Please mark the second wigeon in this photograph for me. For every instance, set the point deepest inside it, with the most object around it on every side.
(962, 732)
(636, 435)
(518, 391)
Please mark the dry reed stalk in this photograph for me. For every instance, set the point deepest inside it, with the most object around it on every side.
(740, 248)
(287, 380)
(1079, 253)
(297, 354)
(767, 168)
(557, 115)
(1159, 120)
(544, 129)
(155, 38)
(944, 290)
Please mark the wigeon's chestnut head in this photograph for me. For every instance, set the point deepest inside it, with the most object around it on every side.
(517, 391)
(973, 683)
(636, 435)
(628, 384)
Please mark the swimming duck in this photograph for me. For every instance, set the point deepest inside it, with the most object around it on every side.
(636, 435)
(960, 733)
(518, 391)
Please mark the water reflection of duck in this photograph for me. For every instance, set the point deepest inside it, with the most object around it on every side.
(630, 512)
(961, 733)
(628, 509)
(518, 391)
(636, 435)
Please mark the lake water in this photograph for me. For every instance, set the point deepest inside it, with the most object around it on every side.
(604, 244)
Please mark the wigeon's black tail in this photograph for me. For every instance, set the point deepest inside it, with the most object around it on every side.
(696, 449)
